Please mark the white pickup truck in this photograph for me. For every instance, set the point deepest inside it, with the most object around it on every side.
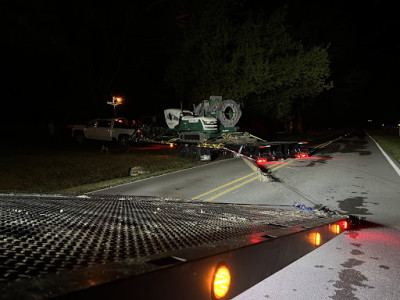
(116, 129)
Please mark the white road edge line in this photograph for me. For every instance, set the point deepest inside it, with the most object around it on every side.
(387, 156)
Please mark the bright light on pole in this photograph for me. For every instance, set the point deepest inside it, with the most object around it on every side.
(115, 101)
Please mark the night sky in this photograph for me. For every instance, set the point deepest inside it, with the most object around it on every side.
(60, 58)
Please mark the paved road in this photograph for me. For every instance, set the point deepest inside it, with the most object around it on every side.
(362, 264)
(350, 175)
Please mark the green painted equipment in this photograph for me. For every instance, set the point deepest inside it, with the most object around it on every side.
(209, 119)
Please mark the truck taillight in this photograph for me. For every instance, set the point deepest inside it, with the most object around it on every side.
(221, 282)
(344, 224)
(261, 161)
(339, 226)
(301, 155)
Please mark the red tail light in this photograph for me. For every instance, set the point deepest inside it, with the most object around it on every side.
(261, 161)
(301, 155)
(344, 224)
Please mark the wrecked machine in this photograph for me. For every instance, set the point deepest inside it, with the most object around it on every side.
(211, 130)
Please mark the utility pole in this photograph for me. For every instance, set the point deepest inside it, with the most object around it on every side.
(115, 101)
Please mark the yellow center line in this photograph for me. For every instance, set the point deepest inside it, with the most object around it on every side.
(322, 145)
(327, 143)
(236, 186)
(222, 186)
(280, 166)
(231, 189)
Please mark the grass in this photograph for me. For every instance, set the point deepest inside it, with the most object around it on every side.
(62, 167)
(67, 168)
(73, 169)
(389, 142)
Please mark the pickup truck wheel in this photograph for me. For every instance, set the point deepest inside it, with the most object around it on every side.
(79, 137)
(124, 142)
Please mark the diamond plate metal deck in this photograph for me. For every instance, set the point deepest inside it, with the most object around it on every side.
(41, 234)
(50, 235)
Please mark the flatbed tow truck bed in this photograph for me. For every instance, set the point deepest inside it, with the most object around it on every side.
(80, 247)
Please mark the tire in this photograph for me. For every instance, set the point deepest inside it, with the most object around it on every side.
(205, 151)
(194, 152)
(79, 137)
(184, 150)
(124, 142)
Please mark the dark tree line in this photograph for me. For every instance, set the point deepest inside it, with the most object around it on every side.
(68, 59)
(250, 56)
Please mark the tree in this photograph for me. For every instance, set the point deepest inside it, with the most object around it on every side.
(250, 57)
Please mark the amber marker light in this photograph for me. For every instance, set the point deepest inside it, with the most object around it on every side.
(221, 282)
(335, 228)
(315, 238)
(171, 145)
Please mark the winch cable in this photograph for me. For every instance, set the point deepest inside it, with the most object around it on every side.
(316, 207)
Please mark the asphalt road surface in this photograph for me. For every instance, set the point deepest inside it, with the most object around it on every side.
(350, 175)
